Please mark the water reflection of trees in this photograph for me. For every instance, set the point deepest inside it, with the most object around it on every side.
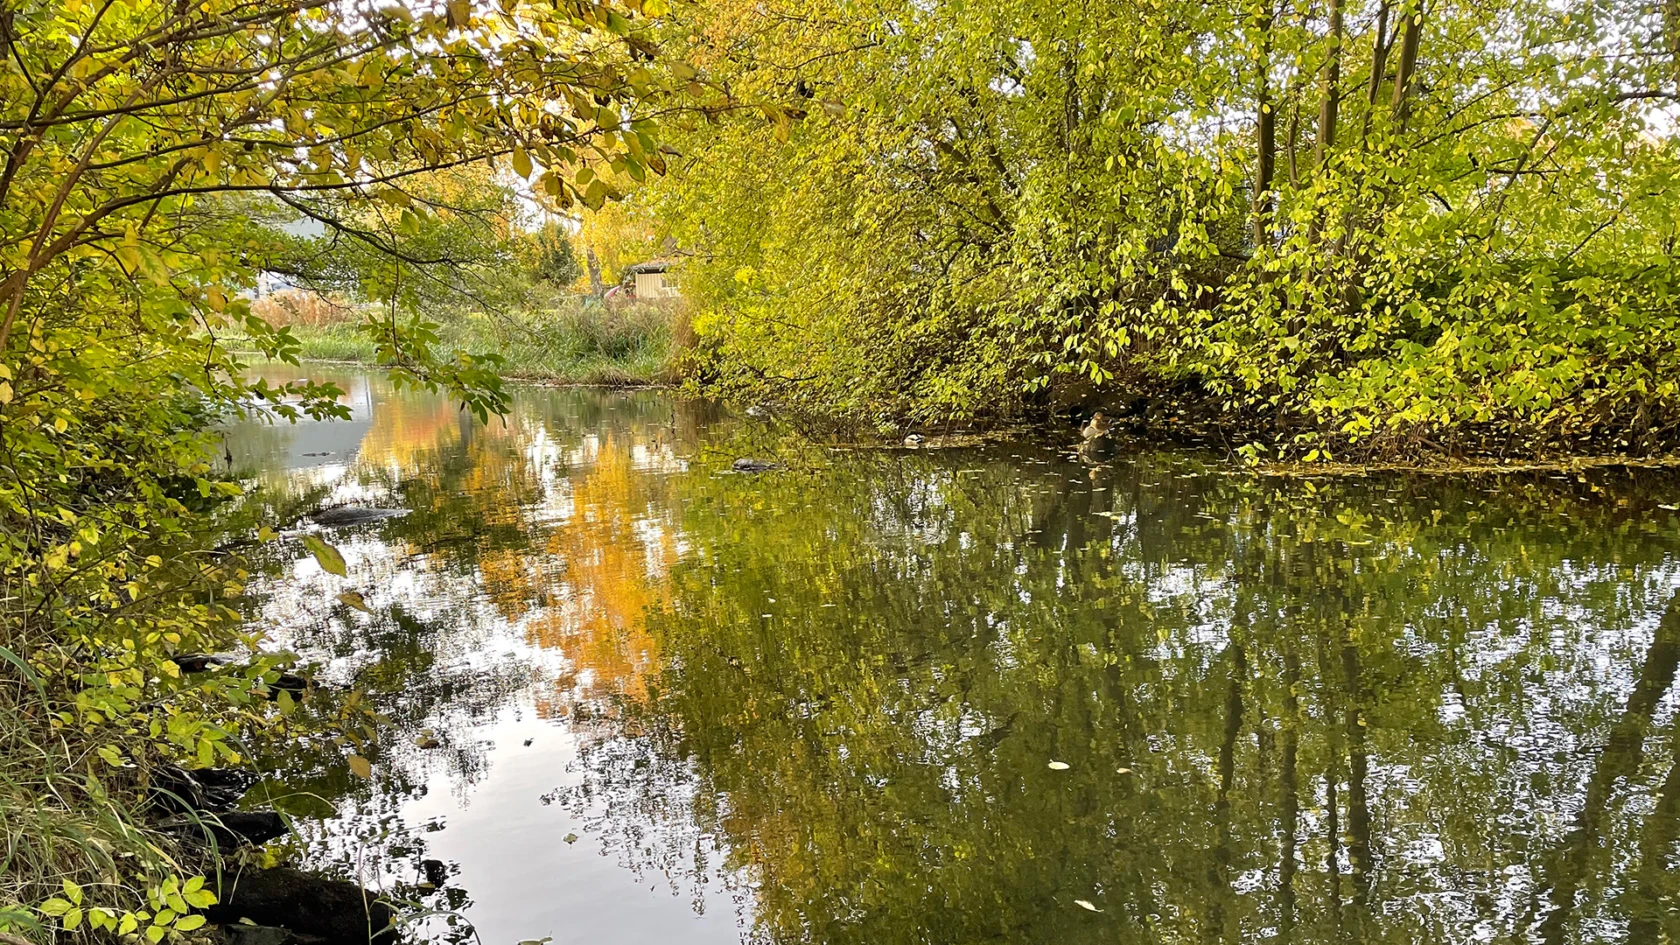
(1376, 711)
(531, 528)
(1362, 712)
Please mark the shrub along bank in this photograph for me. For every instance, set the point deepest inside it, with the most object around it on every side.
(1361, 228)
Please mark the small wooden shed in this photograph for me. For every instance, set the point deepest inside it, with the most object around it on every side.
(653, 280)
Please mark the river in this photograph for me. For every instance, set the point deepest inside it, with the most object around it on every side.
(979, 694)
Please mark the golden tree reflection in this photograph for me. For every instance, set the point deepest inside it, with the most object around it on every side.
(617, 547)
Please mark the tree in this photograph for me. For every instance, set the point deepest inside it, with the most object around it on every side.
(957, 208)
(555, 261)
(144, 145)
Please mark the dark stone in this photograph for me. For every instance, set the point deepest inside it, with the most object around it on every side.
(205, 662)
(199, 662)
(228, 829)
(330, 910)
(292, 683)
(346, 515)
(437, 873)
(238, 933)
(754, 465)
(207, 789)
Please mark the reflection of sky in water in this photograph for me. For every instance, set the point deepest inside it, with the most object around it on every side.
(818, 705)
(505, 843)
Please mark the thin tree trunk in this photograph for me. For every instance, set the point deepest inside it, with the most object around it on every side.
(1329, 100)
(596, 290)
(1330, 87)
(1410, 35)
(1379, 66)
(1266, 143)
(1671, 32)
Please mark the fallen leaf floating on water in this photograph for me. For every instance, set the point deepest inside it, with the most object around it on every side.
(1088, 906)
(1058, 766)
(428, 740)
(353, 599)
(570, 838)
(360, 766)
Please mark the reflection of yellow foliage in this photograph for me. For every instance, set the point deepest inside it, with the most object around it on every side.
(582, 581)
(616, 559)
(507, 580)
(405, 432)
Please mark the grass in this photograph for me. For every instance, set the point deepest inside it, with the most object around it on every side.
(578, 342)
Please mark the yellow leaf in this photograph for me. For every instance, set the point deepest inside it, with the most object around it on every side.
(353, 599)
(521, 162)
(360, 766)
(330, 560)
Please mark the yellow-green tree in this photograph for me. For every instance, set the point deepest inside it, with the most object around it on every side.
(144, 145)
(1376, 224)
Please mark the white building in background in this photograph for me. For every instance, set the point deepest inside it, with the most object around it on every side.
(652, 280)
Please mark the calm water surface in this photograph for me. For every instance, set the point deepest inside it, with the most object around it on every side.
(990, 694)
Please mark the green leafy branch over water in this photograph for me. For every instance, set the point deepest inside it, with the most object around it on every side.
(144, 145)
(1362, 228)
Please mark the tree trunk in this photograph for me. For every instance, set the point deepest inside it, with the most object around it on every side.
(1329, 100)
(596, 290)
(1404, 69)
(1266, 134)
(1379, 65)
(1671, 32)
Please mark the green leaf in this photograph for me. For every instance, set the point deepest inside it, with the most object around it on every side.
(330, 560)
(187, 923)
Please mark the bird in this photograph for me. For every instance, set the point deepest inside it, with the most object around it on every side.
(1097, 426)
